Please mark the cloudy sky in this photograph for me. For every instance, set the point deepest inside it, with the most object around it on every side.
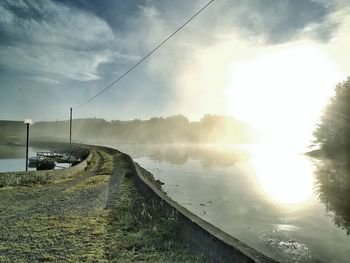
(249, 58)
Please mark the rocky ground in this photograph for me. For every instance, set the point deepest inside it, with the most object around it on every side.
(95, 216)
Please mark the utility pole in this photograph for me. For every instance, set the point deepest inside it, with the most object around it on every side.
(70, 127)
(27, 122)
(56, 131)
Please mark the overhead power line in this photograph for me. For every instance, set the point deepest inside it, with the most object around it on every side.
(145, 57)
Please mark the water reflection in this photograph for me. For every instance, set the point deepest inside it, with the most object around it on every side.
(333, 187)
(284, 177)
(208, 155)
(12, 158)
(264, 197)
(11, 152)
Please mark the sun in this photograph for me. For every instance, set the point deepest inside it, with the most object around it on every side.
(282, 92)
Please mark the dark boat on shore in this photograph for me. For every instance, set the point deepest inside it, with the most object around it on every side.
(41, 164)
(33, 162)
(46, 164)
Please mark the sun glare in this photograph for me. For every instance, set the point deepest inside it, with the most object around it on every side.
(282, 93)
(286, 178)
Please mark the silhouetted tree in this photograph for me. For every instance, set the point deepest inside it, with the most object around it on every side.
(333, 131)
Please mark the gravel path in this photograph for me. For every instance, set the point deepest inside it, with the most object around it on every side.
(60, 222)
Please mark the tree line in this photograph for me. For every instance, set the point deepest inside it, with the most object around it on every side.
(173, 129)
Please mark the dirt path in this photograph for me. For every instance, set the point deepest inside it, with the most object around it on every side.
(61, 221)
(89, 218)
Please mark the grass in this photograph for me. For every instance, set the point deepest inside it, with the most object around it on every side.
(45, 238)
(107, 165)
(92, 164)
(141, 233)
(90, 182)
(45, 224)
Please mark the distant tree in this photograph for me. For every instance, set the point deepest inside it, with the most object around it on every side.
(157, 130)
(333, 131)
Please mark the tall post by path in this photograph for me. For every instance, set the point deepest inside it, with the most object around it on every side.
(27, 122)
(27, 146)
(70, 127)
(56, 130)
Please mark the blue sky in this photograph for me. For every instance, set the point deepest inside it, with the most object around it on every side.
(58, 54)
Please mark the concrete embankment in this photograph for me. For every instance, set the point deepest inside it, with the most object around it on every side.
(194, 231)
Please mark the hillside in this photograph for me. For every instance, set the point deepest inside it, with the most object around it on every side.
(174, 129)
(12, 132)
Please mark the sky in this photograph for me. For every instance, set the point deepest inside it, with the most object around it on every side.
(261, 61)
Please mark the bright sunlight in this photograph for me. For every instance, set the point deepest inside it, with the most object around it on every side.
(282, 92)
(280, 181)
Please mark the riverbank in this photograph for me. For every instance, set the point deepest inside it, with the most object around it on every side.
(97, 215)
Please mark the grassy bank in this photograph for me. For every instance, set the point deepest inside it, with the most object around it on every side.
(140, 232)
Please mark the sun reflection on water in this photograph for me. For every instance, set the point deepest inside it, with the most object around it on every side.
(285, 177)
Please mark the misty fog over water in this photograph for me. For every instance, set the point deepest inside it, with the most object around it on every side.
(270, 201)
(12, 158)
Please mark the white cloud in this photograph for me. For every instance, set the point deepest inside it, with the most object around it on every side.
(55, 39)
(187, 75)
(43, 79)
(149, 11)
(6, 17)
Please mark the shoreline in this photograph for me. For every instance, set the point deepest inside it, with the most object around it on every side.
(192, 231)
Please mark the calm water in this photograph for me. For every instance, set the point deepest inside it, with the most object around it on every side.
(12, 158)
(288, 206)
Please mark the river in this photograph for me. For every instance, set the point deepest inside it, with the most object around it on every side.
(279, 203)
(12, 158)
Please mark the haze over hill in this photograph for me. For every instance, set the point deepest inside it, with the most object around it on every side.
(174, 129)
(157, 130)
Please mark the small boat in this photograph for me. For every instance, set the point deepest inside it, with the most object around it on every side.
(46, 164)
(33, 162)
